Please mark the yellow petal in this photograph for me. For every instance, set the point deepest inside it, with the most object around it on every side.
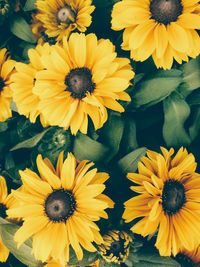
(68, 172)
(161, 39)
(29, 228)
(177, 37)
(47, 174)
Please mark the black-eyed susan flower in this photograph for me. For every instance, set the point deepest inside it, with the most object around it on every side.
(169, 200)
(23, 81)
(6, 201)
(189, 258)
(115, 247)
(61, 17)
(6, 69)
(165, 29)
(39, 32)
(82, 78)
(60, 207)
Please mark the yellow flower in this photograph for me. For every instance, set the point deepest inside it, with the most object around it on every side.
(6, 69)
(116, 246)
(61, 17)
(23, 81)
(59, 208)
(6, 201)
(169, 200)
(189, 258)
(39, 31)
(164, 29)
(82, 78)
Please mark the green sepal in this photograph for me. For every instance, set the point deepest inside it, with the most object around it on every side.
(176, 111)
(31, 142)
(23, 253)
(87, 148)
(129, 163)
(54, 141)
(29, 5)
(20, 28)
(155, 88)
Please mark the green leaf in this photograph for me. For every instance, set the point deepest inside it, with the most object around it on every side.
(30, 5)
(155, 88)
(23, 253)
(3, 126)
(87, 148)
(194, 129)
(191, 74)
(194, 98)
(9, 161)
(103, 263)
(112, 134)
(129, 163)
(21, 29)
(31, 142)
(152, 258)
(176, 111)
(129, 139)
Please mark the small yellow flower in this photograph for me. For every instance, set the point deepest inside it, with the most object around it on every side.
(39, 31)
(169, 200)
(115, 247)
(61, 17)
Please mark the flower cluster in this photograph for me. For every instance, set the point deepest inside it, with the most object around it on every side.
(93, 92)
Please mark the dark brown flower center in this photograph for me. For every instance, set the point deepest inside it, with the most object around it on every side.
(3, 209)
(47, 39)
(2, 84)
(184, 260)
(79, 82)
(166, 11)
(115, 247)
(66, 15)
(173, 196)
(60, 205)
